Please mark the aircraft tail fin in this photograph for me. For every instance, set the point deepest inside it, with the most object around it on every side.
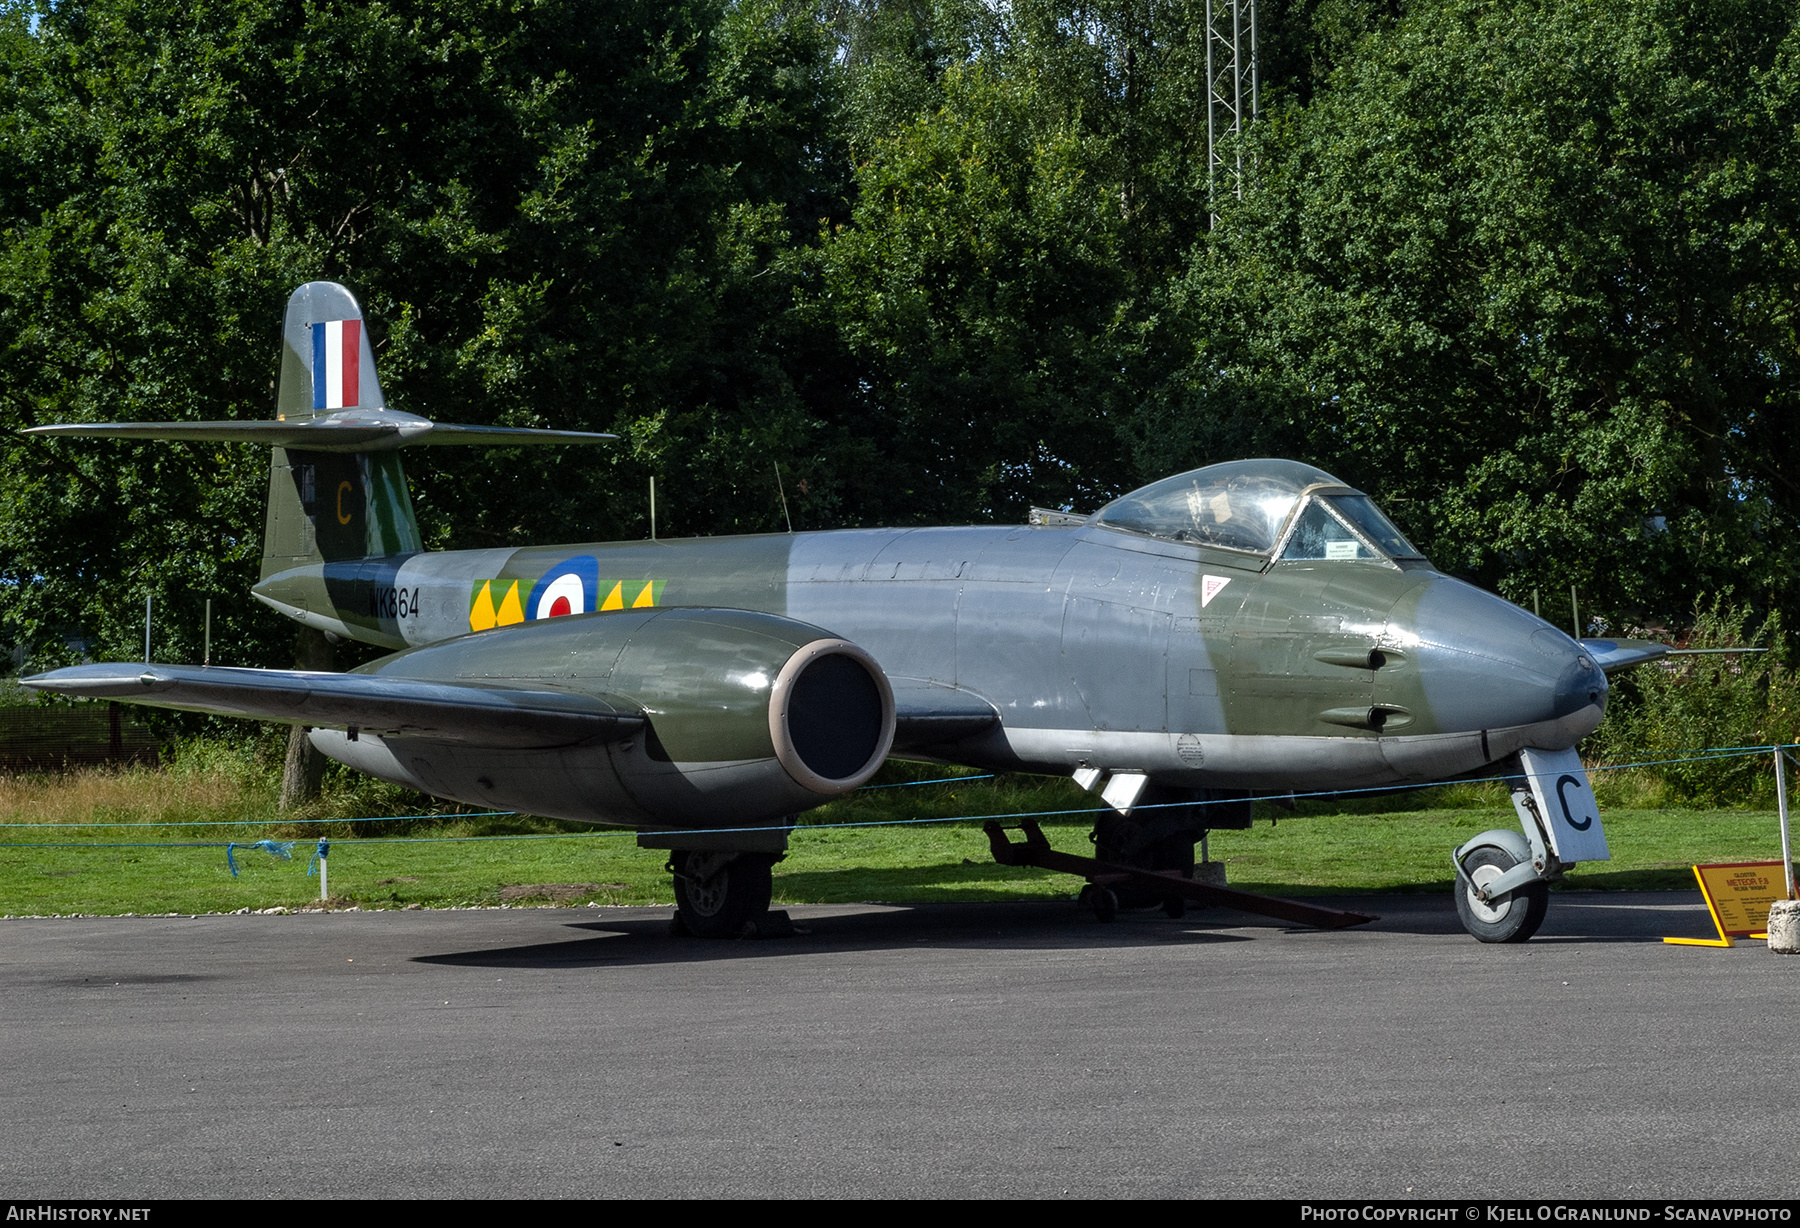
(327, 363)
(336, 489)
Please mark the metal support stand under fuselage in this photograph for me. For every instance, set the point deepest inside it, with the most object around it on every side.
(1036, 851)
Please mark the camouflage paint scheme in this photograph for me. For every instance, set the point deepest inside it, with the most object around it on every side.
(1092, 644)
(1081, 646)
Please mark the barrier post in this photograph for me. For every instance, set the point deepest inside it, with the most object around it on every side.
(1781, 808)
(324, 888)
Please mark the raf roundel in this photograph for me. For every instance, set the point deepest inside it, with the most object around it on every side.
(563, 596)
(570, 587)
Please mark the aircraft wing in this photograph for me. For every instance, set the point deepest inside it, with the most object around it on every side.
(492, 716)
(927, 715)
(357, 430)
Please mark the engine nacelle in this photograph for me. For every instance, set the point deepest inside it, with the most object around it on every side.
(749, 717)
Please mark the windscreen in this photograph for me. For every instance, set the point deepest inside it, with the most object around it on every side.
(1320, 535)
(1361, 511)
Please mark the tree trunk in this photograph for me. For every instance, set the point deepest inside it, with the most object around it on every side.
(305, 767)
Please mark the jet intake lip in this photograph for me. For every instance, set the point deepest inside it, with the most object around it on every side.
(831, 716)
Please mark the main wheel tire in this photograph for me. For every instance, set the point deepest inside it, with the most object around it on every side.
(1114, 841)
(1514, 917)
(1104, 903)
(718, 895)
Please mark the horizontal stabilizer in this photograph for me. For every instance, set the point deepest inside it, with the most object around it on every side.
(356, 430)
(377, 704)
(1611, 655)
(926, 715)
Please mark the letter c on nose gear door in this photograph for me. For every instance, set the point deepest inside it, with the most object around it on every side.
(1562, 797)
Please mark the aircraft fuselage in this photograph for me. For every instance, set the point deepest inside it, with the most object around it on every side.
(1099, 648)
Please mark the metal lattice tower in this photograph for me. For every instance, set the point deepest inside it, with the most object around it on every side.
(1230, 93)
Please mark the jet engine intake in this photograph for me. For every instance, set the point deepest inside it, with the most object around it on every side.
(831, 716)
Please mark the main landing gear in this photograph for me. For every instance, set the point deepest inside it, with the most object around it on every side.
(725, 895)
(1106, 878)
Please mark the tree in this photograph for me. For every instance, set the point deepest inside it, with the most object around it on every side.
(1527, 271)
(556, 214)
(1028, 181)
(1524, 269)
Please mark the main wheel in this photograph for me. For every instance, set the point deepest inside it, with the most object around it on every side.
(1515, 916)
(1104, 903)
(718, 894)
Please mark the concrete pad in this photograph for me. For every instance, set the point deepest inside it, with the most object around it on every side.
(983, 1049)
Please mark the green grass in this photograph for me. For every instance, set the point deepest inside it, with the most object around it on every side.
(1397, 843)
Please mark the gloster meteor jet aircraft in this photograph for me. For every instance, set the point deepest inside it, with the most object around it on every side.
(1250, 628)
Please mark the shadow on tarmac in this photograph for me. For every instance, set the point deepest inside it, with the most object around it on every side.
(1589, 918)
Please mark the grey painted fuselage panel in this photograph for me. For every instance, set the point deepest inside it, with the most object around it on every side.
(1096, 646)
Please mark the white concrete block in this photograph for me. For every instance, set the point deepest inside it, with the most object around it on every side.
(1784, 927)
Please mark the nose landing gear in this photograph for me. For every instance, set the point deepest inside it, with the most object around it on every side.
(1508, 916)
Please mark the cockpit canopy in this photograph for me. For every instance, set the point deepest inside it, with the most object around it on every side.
(1258, 505)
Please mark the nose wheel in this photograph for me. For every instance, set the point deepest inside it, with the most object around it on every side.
(1512, 917)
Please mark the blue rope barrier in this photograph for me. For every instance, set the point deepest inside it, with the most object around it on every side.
(406, 818)
(719, 831)
(1723, 753)
(273, 848)
(942, 780)
(389, 818)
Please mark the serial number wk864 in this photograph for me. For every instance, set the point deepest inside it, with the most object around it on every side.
(393, 602)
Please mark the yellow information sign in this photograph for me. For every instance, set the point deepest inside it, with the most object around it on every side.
(1738, 895)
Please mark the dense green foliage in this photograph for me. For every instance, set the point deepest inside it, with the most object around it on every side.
(1526, 270)
(1529, 270)
(554, 214)
(1672, 710)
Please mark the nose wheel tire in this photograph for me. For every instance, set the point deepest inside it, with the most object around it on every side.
(1515, 916)
(720, 895)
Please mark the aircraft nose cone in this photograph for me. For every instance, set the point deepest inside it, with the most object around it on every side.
(1486, 664)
